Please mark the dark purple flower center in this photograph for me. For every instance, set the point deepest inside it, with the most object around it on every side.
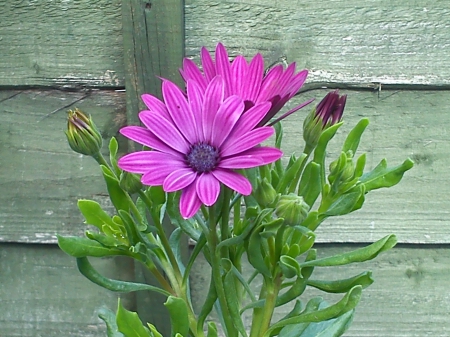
(203, 157)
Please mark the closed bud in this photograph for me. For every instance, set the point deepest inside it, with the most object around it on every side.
(130, 182)
(82, 134)
(292, 208)
(265, 194)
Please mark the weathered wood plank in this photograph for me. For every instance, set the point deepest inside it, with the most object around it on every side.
(44, 178)
(409, 297)
(41, 178)
(61, 43)
(42, 293)
(341, 41)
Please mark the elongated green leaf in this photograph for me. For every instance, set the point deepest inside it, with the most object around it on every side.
(331, 328)
(118, 197)
(106, 241)
(232, 299)
(289, 266)
(354, 136)
(212, 330)
(94, 276)
(129, 324)
(80, 247)
(110, 320)
(346, 203)
(382, 176)
(178, 312)
(342, 286)
(94, 214)
(290, 174)
(347, 303)
(310, 186)
(255, 252)
(113, 148)
(358, 255)
(187, 225)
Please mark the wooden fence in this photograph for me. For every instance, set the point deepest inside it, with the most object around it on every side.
(392, 59)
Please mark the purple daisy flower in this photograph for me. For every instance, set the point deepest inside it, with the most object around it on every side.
(198, 142)
(248, 80)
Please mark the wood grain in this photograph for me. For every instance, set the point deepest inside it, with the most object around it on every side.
(409, 297)
(67, 44)
(43, 294)
(340, 41)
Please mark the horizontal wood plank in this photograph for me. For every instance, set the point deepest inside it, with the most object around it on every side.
(409, 297)
(340, 41)
(41, 178)
(42, 293)
(61, 43)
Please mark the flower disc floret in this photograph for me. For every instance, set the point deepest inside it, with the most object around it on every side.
(197, 142)
(248, 80)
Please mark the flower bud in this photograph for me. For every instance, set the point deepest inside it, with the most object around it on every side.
(327, 113)
(292, 208)
(130, 182)
(82, 134)
(265, 194)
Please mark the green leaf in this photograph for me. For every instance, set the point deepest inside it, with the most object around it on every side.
(94, 276)
(94, 214)
(82, 247)
(212, 330)
(255, 251)
(310, 185)
(107, 241)
(354, 136)
(358, 255)
(129, 324)
(110, 320)
(178, 312)
(113, 148)
(331, 328)
(118, 197)
(187, 225)
(290, 174)
(289, 266)
(347, 303)
(342, 286)
(346, 203)
(382, 176)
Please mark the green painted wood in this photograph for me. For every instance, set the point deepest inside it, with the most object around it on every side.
(66, 44)
(41, 178)
(409, 297)
(339, 41)
(45, 178)
(43, 294)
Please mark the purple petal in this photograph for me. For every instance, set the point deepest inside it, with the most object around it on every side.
(233, 180)
(285, 79)
(179, 179)
(191, 72)
(227, 116)
(208, 189)
(180, 111)
(155, 105)
(240, 162)
(298, 107)
(254, 78)
(213, 98)
(208, 65)
(238, 74)
(155, 165)
(246, 141)
(270, 84)
(189, 201)
(223, 68)
(250, 119)
(145, 137)
(195, 98)
(266, 154)
(297, 82)
(165, 131)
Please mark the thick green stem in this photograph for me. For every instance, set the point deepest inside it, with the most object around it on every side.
(213, 241)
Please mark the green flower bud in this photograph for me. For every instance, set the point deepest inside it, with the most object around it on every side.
(292, 208)
(265, 194)
(130, 182)
(82, 134)
(342, 169)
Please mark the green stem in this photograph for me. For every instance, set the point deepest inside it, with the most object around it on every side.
(224, 221)
(164, 241)
(213, 241)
